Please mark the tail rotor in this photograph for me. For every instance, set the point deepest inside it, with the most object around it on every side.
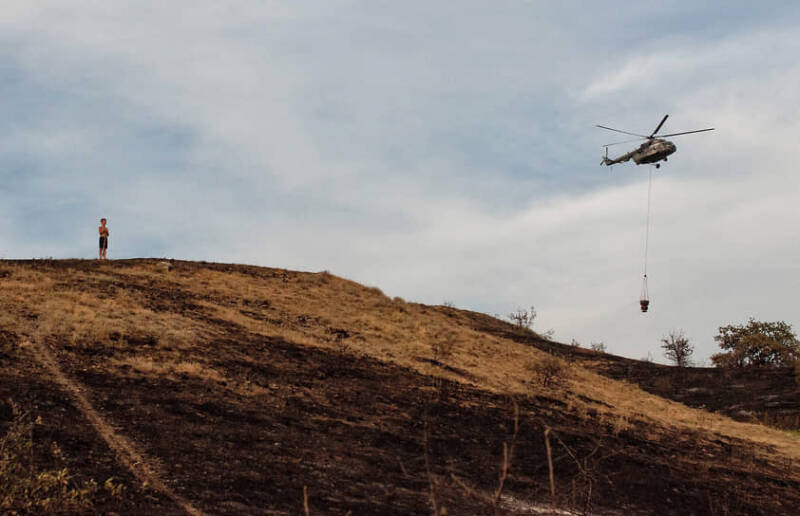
(605, 160)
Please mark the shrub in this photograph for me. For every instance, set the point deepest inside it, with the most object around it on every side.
(757, 343)
(24, 488)
(677, 348)
(797, 374)
(549, 370)
(523, 318)
(548, 335)
(598, 346)
(442, 345)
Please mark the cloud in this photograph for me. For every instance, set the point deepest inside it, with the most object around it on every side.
(436, 151)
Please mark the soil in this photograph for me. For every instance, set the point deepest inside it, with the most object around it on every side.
(357, 435)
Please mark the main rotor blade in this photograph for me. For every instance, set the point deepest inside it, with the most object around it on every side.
(659, 126)
(623, 132)
(618, 143)
(687, 132)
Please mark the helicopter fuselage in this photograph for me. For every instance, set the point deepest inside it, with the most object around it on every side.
(653, 151)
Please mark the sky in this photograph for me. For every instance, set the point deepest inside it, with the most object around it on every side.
(441, 151)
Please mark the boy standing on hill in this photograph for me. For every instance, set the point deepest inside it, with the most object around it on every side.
(104, 232)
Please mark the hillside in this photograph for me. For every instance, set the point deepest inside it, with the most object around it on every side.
(763, 395)
(223, 389)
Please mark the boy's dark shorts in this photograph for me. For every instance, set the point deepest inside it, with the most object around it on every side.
(103, 242)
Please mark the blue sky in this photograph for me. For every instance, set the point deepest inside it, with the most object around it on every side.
(438, 150)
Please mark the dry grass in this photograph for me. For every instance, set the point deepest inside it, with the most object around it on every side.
(148, 367)
(308, 309)
(80, 318)
(401, 332)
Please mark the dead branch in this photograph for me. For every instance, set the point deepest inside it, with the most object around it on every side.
(583, 468)
(508, 455)
(471, 492)
(550, 465)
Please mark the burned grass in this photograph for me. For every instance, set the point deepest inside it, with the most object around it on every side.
(769, 396)
(235, 383)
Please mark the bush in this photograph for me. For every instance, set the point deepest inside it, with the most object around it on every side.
(548, 335)
(759, 344)
(598, 346)
(26, 489)
(797, 374)
(523, 318)
(442, 345)
(549, 370)
(677, 348)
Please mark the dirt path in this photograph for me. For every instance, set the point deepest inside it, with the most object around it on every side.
(124, 449)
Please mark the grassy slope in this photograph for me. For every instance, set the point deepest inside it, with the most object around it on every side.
(244, 384)
(763, 395)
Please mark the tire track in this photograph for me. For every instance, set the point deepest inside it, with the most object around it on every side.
(124, 449)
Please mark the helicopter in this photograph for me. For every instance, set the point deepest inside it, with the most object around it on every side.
(653, 150)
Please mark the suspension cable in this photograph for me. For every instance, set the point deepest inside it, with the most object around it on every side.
(647, 223)
(645, 294)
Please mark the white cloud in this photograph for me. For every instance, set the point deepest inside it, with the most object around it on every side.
(436, 152)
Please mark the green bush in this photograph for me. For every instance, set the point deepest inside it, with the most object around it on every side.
(757, 343)
(27, 489)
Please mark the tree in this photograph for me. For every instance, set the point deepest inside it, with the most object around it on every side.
(759, 344)
(677, 348)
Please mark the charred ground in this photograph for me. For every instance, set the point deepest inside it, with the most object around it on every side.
(769, 395)
(243, 385)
